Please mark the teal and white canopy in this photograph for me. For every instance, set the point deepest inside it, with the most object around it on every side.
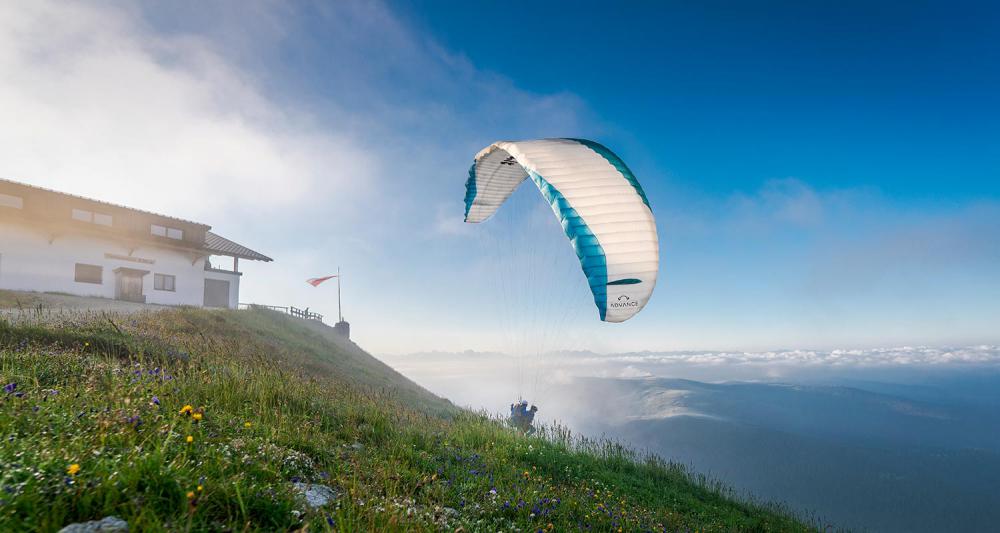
(599, 202)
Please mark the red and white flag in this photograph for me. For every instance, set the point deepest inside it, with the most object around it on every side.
(316, 281)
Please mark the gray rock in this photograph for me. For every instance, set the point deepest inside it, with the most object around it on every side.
(316, 495)
(104, 525)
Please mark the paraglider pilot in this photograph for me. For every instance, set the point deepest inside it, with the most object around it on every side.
(521, 417)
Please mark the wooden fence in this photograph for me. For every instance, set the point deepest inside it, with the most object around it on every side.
(305, 314)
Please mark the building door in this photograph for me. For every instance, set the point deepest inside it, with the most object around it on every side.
(216, 293)
(128, 284)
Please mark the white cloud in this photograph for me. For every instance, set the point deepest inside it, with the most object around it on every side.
(448, 223)
(96, 103)
(787, 201)
(633, 372)
(317, 133)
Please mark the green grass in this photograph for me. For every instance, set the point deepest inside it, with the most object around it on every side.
(282, 400)
(22, 300)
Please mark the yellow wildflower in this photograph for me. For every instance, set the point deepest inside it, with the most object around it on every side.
(196, 416)
(73, 469)
(200, 488)
(186, 409)
(190, 495)
(247, 424)
(189, 439)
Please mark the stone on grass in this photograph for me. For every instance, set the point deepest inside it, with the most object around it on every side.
(104, 525)
(316, 495)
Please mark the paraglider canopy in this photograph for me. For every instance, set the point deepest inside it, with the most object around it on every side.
(599, 202)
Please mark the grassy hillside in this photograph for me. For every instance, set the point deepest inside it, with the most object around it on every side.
(190, 420)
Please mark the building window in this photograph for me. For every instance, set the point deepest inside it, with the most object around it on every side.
(163, 231)
(89, 273)
(89, 216)
(7, 200)
(164, 282)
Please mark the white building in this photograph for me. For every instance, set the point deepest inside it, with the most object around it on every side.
(56, 242)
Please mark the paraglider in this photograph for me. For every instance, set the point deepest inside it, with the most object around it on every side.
(601, 207)
(599, 202)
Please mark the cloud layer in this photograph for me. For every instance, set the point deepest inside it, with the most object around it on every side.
(872, 357)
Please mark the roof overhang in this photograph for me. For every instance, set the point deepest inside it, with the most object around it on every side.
(218, 245)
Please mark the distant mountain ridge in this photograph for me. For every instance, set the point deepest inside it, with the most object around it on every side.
(870, 458)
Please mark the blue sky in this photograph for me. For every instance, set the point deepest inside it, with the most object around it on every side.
(823, 176)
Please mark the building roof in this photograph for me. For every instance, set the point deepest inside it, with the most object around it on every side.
(213, 244)
(102, 202)
(220, 245)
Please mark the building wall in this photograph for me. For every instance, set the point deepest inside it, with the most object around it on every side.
(39, 260)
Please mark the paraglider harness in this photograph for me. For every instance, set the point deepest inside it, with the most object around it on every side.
(521, 417)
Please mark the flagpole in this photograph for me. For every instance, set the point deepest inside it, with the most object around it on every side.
(340, 313)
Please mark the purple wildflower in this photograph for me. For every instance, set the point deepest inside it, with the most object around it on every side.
(156, 401)
(10, 387)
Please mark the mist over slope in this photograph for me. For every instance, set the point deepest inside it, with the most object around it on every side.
(902, 439)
